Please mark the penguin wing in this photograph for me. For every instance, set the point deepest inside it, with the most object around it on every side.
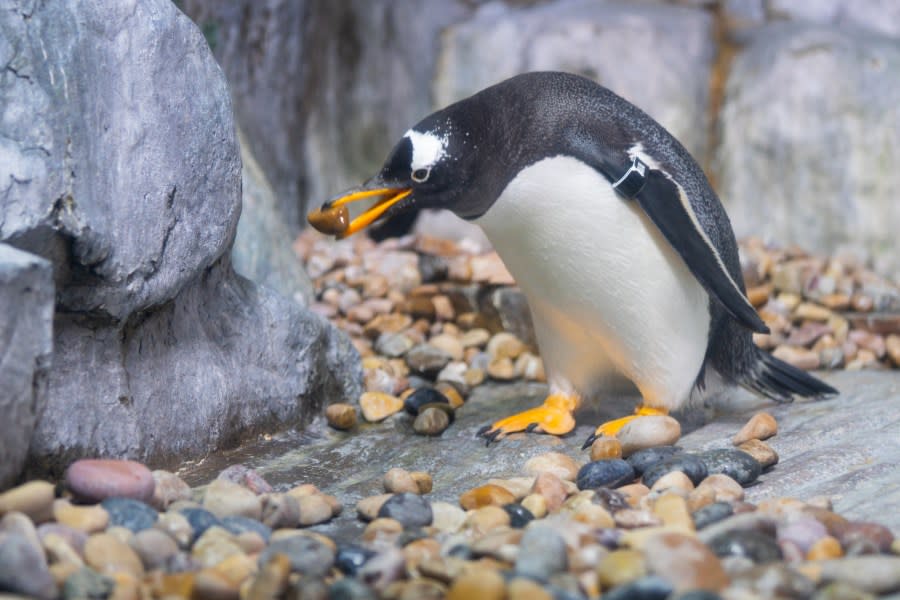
(667, 205)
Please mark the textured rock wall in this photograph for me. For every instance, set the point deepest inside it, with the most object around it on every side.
(119, 164)
(26, 326)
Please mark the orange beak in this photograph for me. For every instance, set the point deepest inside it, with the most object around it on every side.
(333, 217)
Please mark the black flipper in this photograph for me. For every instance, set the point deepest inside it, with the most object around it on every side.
(778, 380)
(668, 207)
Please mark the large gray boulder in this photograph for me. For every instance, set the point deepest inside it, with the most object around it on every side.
(657, 57)
(810, 140)
(322, 89)
(120, 165)
(26, 342)
(882, 16)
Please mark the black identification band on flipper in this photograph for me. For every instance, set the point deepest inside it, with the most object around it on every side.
(661, 198)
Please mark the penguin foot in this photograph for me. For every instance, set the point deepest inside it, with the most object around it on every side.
(611, 428)
(554, 416)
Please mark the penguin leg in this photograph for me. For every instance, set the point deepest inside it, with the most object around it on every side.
(554, 416)
(611, 428)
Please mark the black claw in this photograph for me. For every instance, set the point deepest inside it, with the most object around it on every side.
(531, 427)
(492, 436)
(483, 430)
(590, 440)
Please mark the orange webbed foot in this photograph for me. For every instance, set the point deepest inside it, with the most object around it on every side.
(554, 416)
(612, 428)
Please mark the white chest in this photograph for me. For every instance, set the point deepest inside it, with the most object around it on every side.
(599, 277)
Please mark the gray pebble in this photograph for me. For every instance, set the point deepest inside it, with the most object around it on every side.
(87, 584)
(542, 553)
(874, 574)
(427, 360)
(642, 460)
(737, 464)
(756, 546)
(348, 588)
(383, 569)
(712, 513)
(689, 464)
(237, 525)
(154, 547)
(651, 587)
(308, 555)
(604, 473)
(410, 509)
(23, 568)
(393, 345)
(131, 514)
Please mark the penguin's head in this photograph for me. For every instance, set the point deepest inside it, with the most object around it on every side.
(434, 165)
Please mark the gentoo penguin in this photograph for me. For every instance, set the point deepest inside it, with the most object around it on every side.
(609, 227)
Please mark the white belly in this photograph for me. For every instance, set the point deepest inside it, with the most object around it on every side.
(606, 290)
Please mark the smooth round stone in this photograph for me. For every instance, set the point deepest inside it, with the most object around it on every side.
(314, 509)
(737, 464)
(23, 567)
(341, 416)
(761, 452)
(519, 516)
(483, 584)
(773, 580)
(237, 525)
(383, 569)
(825, 548)
(712, 513)
(224, 498)
(169, 488)
(131, 514)
(876, 574)
(561, 465)
(447, 517)
(536, 505)
(94, 480)
(674, 479)
(612, 500)
(378, 406)
(176, 526)
(690, 465)
(841, 591)
(761, 426)
(865, 538)
(34, 499)
(73, 537)
(215, 545)
(648, 432)
(525, 589)
(86, 583)
(605, 448)
(642, 460)
(107, 554)
(542, 553)
(349, 588)
(620, 567)
(426, 359)
(431, 421)
(486, 519)
(423, 396)
(368, 507)
(200, 520)
(88, 519)
(409, 509)
(350, 558)
(756, 546)
(650, 587)
(423, 480)
(604, 473)
(684, 561)
(486, 495)
(307, 555)
(551, 488)
(154, 548)
(280, 510)
(246, 477)
(801, 532)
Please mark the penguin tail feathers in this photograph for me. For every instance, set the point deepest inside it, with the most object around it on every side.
(779, 381)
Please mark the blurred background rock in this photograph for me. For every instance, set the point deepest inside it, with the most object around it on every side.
(793, 108)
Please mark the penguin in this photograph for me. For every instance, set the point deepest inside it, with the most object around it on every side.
(611, 230)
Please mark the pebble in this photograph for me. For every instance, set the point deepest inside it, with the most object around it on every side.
(604, 448)
(761, 452)
(737, 464)
(754, 545)
(519, 516)
(502, 369)
(424, 397)
(431, 421)
(642, 460)
(314, 509)
(685, 562)
(108, 555)
(689, 464)
(378, 406)
(154, 548)
(168, 488)
(672, 510)
(519, 487)
(486, 518)
(525, 589)
(89, 519)
(648, 432)
(87, 583)
(824, 549)
(892, 348)
(801, 358)
(724, 488)
(177, 526)
(94, 480)
(504, 345)
(23, 567)
(865, 538)
(761, 426)
(620, 567)
(447, 517)
(200, 520)
(423, 481)
(651, 587)
(426, 359)
(409, 509)
(542, 553)
(486, 495)
(215, 545)
(604, 473)
(131, 514)
(341, 416)
(483, 584)
(557, 463)
(272, 581)
(536, 505)
(673, 479)
(551, 487)
(34, 498)
(58, 550)
(397, 481)
(224, 499)
(368, 507)
(872, 574)
(308, 555)
(237, 525)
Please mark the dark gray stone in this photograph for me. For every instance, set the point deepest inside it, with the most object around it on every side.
(736, 464)
(758, 547)
(23, 568)
(359, 77)
(712, 513)
(642, 460)
(237, 525)
(795, 98)
(604, 473)
(308, 556)
(667, 74)
(26, 339)
(689, 464)
(542, 553)
(410, 509)
(131, 514)
(200, 520)
(650, 587)
(88, 584)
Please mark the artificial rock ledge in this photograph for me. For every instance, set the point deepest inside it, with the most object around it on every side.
(120, 165)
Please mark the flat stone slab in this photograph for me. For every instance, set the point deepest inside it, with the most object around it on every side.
(847, 448)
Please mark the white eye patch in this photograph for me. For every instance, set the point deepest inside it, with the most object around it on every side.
(427, 149)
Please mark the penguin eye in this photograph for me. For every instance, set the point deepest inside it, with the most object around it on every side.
(421, 175)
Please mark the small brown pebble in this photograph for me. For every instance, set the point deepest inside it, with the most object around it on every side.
(431, 421)
(557, 463)
(648, 432)
(892, 347)
(341, 416)
(378, 406)
(34, 498)
(443, 308)
(423, 481)
(314, 509)
(536, 505)
(797, 357)
(673, 479)
(368, 508)
(548, 485)
(483, 584)
(485, 495)
(764, 454)
(382, 529)
(824, 549)
(605, 448)
(486, 518)
(333, 220)
(452, 394)
(759, 294)
(673, 511)
(398, 481)
(501, 369)
(525, 589)
(272, 580)
(477, 338)
(89, 519)
(862, 303)
(701, 497)
(813, 312)
(632, 518)
(620, 567)
(504, 345)
(761, 426)
(725, 488)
